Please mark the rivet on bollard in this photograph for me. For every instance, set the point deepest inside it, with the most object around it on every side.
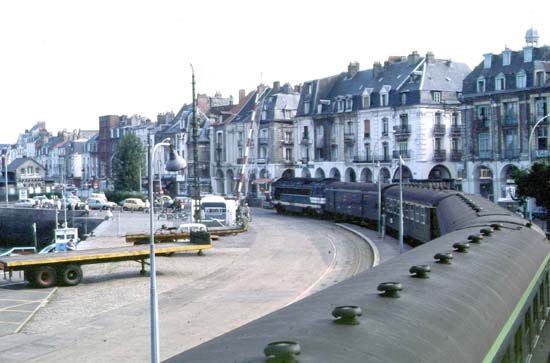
(420, 271)
(461, 247)
(282, 352)
(390, 289)
(497, 226)
(475, 238)
(347, 315)
(444, 257)
(486, 231)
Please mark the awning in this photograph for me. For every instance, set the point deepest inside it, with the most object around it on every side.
(262, 181)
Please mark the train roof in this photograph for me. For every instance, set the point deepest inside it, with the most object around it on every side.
(453, 316)
(303, 182)
(420, 195)
(353, 186)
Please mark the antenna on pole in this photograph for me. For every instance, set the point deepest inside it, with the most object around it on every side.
(196, 180)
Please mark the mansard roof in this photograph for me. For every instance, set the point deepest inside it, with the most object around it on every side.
(20, 161)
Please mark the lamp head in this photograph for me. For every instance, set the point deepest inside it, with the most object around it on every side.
(175, 162)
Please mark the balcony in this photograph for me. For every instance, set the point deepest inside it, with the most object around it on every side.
(260, 161)
(440, 155)
(362, 158)
(511, 154)
(305, 141)
(219, 147)
(334, 140)
(456, 155)
(382, 158)
(288, 162)
(405, 154)
(402, 132)
(485, 154)
(482, 123)
(439, 130)
(239, 142)
(287, 142)
(349, 137)
(240, 161)
(456, 130)
(264, 140)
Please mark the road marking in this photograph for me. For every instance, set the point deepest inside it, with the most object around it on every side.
(329, 269)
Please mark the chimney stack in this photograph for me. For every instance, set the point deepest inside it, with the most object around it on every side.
(430, 58)
(376, 69)
(353, 68)
(242, 95)
(413, 58)
(276, 86)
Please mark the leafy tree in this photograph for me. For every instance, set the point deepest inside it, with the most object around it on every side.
(535, 183)
(128, 159)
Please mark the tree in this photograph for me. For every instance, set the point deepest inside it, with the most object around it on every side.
(127, 162)
(535, 183)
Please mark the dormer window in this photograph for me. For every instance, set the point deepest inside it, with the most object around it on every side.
(436, 96)
(539, 78)
(307, 107)
(403, 98)
(383, 99)
(349, 103)
(340, 105)
(521, 79)
(500, 82)
(366, 101)
(481, 85)
(506, 58)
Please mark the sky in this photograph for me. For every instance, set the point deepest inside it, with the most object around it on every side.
(69, 62)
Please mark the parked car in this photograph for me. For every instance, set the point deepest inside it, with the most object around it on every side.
(133, 204)
(43, 202)
(28, 203)
(539, 212)
(94, 203)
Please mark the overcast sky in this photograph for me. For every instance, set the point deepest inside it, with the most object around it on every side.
(69, 62)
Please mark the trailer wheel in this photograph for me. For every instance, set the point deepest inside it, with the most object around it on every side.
(71, 275)
(44, 276)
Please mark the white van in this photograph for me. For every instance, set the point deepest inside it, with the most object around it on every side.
(192, 227)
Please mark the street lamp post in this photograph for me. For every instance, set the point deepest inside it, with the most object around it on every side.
(530, 139)
(5, 157)
(175, 163)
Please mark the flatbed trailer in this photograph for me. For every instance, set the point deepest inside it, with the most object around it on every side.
(172, 235)
(46, 270)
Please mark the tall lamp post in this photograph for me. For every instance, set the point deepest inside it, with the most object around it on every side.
(530, 139)
(175, 163)
(5, 157)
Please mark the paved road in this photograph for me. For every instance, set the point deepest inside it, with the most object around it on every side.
(106, 318)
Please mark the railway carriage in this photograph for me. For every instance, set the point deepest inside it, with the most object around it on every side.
(353, 201)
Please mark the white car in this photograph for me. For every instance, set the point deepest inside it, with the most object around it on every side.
(94, 203)
(28, 203)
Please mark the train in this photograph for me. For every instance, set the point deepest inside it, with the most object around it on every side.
(479, 291)
(359, 203)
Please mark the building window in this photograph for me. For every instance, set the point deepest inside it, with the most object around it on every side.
(288, 153)
(385, 151)
(438, 118)
(484, 144)
(334, 153)
(455, 144)
(383, 99)
(404, 149)
(307, 107)
(349, 104)
(541, 108)
(305, 134)
(485, 173)
(542, 138)
(366, 101)
(340, 105)
(482, 113)
(436, 96)
(521, 80)
(366, 124)
(510, 113)
(539, 78)
(437, 144)
(500, 82)
(403, 120)
(506, 58)
(481, 85)
(403, 98)
(385, 126)
(454, 119)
